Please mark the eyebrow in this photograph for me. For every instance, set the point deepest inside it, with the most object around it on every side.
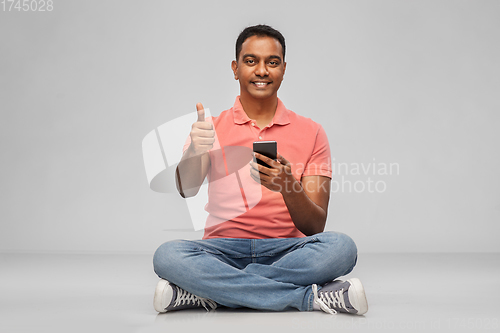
(254, 56)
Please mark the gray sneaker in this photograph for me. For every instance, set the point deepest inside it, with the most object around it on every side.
(341, 296)
(169, 297)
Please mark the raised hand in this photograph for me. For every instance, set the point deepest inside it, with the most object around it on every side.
(202, 133)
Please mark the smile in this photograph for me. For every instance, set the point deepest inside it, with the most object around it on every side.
(261, 84)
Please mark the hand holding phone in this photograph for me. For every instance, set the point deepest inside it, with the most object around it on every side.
(279, 175)
(266, 148)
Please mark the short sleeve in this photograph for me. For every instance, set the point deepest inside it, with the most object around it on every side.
(320, 162)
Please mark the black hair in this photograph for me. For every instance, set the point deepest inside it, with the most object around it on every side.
(260, 30)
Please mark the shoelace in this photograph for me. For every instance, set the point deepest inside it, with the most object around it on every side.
(186, 298)
(330, 299)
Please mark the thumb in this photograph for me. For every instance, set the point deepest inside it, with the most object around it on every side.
(201, 112)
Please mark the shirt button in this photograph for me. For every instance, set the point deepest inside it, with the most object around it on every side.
(253, 124)
(260, 138)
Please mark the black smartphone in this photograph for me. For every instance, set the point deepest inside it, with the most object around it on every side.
(266, 148)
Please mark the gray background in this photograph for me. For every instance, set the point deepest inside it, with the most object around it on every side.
(408, 82)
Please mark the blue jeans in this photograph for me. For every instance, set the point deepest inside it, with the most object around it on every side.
(267, 274)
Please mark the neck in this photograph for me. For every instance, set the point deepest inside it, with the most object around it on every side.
(261, 110)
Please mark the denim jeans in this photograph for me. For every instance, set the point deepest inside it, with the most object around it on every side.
(267, 274)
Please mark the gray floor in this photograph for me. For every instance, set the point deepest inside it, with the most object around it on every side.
(113, 293)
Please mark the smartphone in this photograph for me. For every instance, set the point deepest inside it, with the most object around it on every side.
(266, 148)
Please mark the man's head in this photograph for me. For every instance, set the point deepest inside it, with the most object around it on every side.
(260, 64)
(260, 30)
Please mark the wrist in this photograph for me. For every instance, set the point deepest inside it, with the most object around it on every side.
(291, 187)
(191, 152)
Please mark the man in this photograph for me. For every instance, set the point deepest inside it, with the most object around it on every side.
(274, 255)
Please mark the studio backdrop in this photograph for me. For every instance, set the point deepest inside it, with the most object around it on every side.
(407, 92)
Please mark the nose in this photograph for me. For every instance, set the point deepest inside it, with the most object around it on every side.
(261, 69)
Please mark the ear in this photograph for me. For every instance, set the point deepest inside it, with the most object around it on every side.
(284, 68)
(234, 67)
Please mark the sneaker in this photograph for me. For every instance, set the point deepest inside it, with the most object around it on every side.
(169, 297)
(340, 296)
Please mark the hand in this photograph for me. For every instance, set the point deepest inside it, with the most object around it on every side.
(277, 178)
(202, 133)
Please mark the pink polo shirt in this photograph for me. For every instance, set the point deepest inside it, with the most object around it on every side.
(238, 206)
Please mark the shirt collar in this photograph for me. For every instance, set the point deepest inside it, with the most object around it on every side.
(280, 117)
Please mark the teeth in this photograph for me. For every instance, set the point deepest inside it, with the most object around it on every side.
(260, 84)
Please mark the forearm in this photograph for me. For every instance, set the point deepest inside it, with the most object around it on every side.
(307, 216)
(191, 172)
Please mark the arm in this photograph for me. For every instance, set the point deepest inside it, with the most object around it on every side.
(191, 172)
(194, 164)
(308, 206)
(307, 201)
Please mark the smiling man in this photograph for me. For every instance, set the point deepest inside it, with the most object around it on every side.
(275, 255)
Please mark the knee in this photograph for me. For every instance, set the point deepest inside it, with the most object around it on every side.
(342, 248)
(349, 248)
(165, 257)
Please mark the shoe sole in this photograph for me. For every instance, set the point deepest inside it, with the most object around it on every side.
(158, 298)
(359, 300)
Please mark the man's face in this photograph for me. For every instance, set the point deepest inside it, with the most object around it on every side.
(260, 67)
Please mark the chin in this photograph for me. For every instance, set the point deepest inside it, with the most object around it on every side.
(262, 95)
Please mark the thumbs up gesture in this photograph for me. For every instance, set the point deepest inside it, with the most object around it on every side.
(202, 133)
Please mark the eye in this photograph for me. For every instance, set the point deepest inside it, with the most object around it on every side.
(249, 61)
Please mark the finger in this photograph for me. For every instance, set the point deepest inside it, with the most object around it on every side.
(201, 112)
(267, 160)
(205, 141)
(282, 160)
(256, 179)
(253, 171)
(256, 176)
(255, 167)
(261, 170)
(205, 148)
(204, 126)
(205, 135)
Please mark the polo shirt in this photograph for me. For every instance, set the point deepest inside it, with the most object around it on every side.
(238, 206)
